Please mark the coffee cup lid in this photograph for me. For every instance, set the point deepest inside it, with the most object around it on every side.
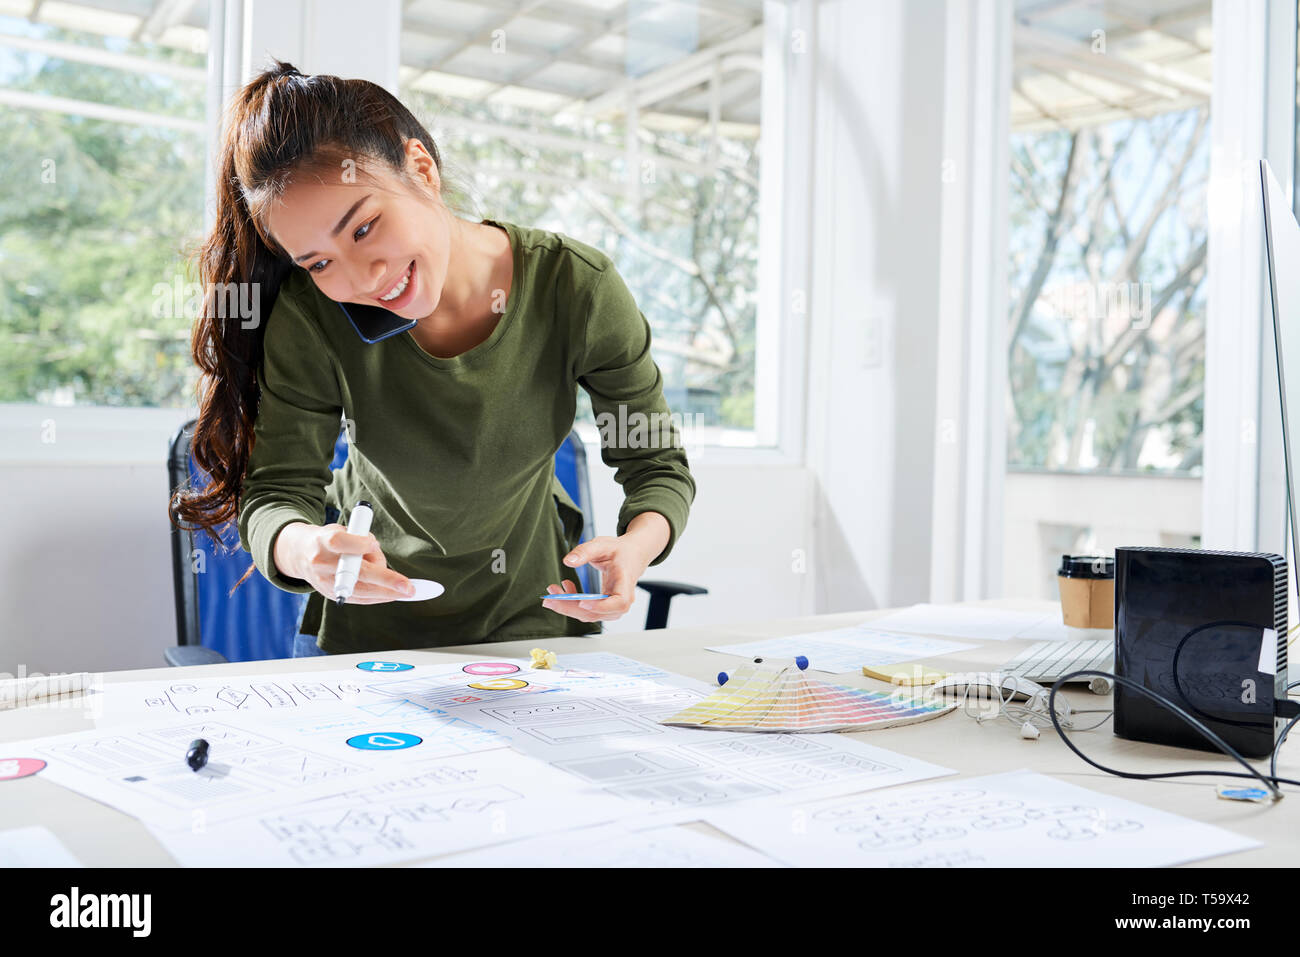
(1087, 566)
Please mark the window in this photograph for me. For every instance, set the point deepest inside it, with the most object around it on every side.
(1109, 168)
(632, 126)
(104, 133)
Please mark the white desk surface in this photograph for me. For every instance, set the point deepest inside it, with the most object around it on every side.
(103, 837)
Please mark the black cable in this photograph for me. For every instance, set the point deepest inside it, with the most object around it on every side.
(1269, 781)
(1178, 650)
(1272, 766)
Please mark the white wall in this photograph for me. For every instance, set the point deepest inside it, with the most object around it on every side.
(874, 304)
(738, 542)
(1154, 510)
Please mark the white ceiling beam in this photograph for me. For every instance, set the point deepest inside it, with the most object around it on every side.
(165, 15)
(106, 58)
(565, 52)
(647, 86)
(1109, 64)
(569, 16)
(1059, 64)
(22, 99)
(484, 36)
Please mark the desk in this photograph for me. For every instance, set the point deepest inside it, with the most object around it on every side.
(102, 837)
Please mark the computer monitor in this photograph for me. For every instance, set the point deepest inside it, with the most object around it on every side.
(1282, 241)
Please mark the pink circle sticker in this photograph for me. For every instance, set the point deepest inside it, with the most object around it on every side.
(19, 767)
(490, 668)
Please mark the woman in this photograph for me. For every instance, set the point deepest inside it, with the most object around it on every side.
(330, 193)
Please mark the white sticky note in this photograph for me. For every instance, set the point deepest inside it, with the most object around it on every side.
(424, 590)
(1268, 653)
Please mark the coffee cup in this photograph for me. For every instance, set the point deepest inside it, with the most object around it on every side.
(1087, 584)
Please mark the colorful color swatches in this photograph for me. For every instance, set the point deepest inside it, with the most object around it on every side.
(763, 699)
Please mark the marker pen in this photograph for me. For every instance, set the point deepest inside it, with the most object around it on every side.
(345, 579)
(197, 756)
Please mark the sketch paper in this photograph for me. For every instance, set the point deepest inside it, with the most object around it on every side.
(435, 808)
(1016, 819)
(34, 846)
(126, 702)
(977, 624)
(843, 650)
(256, 761)
(598, 718)
(613, 845)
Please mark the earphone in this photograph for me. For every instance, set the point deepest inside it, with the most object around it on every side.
(999, 691)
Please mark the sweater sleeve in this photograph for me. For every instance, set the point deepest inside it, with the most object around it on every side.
(638, 438)
(299, 417)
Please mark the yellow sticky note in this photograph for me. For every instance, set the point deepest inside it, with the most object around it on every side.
(904, 674)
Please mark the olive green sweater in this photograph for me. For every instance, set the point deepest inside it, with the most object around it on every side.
(456, 454)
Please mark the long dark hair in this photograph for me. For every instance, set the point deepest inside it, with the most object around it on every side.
(281, 125)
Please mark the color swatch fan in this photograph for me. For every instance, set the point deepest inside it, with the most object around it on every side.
(779, 696)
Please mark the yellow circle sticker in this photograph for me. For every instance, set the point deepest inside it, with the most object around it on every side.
(499, 684)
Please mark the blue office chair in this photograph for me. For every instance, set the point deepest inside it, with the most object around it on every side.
(261, 621)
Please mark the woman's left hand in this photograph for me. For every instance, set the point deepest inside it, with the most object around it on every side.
(621, 562)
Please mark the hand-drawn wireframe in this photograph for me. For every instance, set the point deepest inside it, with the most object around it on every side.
(217, 697)
(655, 704)
(593, 729)
(951, 814)
(545, 711)
(691, 790)
(229, 737)
(115, 753)
(1008, 819)
(338, 834)
(631, 765)
(821, 769)
(732, 748)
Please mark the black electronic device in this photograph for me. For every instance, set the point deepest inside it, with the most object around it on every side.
(374, 323)
(1207, 630)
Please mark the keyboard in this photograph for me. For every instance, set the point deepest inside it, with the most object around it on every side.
(1047, 661)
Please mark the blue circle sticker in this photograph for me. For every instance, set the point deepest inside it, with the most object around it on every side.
(383, 666)
(384, 741)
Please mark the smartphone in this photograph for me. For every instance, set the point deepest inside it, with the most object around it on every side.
(374, 323)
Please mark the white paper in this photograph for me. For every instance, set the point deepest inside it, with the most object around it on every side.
(34, 847)
(843, 650)
(980, 624)
(435, 808)
(1016, 819)
(257, 760)
(126, 702)
(613, 845)
(1268, 653)
(602, 726)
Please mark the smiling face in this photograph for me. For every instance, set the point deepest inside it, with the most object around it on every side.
(360, 241)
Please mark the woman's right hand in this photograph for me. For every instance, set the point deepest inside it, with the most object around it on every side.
(312, 553)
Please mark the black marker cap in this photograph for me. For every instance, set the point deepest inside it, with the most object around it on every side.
(197, 755)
